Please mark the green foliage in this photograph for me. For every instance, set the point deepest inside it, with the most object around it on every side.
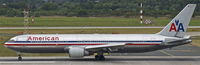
(84, 8)
(50, 6)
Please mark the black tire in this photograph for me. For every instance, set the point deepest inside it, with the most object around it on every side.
(20, 58)
(97, 57)
(102, 57)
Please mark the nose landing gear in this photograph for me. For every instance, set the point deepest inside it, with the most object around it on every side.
(19, 57)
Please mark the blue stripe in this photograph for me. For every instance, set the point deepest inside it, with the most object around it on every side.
(77, 41)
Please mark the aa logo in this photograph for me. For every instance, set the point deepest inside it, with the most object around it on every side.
(176, 26)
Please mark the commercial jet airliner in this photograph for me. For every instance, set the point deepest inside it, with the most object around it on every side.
(80, 45)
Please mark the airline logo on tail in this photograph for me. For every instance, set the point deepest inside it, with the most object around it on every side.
(176, 26)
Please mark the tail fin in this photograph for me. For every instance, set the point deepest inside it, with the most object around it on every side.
(179, 24)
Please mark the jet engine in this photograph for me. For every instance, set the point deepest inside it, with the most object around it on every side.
(77, 52)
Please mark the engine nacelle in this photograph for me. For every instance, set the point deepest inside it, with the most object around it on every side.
(77, 52)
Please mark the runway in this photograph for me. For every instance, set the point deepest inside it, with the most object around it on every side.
(111, 60)
(87, 27)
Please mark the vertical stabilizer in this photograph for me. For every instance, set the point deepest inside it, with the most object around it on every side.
(179, 24)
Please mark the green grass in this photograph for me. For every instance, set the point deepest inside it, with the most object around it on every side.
(86, 21)
(91, 31)
(6, 34)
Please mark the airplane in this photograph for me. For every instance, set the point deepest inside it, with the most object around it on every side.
(81, 45)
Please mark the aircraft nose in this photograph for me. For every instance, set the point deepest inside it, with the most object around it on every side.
(5, 44)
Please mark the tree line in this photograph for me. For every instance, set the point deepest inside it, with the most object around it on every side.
(94, 8)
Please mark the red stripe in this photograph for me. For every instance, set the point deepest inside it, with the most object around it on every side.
(46, 44)
(142, 44)
(65, 44)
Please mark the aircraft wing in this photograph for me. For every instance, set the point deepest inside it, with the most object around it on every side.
(106, 46)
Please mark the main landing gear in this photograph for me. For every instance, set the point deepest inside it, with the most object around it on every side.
(19, 57)
(99, 56)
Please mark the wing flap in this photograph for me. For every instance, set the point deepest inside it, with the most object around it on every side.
(106, 46)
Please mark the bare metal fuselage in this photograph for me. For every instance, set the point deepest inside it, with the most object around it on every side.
(135, 43)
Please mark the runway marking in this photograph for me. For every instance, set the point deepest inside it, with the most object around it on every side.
(166, 53)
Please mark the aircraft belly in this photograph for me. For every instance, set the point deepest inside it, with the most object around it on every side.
(145, 48)
(139, 48)
(39, 49)
(64, 49)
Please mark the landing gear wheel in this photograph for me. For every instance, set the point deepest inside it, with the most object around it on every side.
(96, 57)
(19, 57)
(102, 57)
(99, 57)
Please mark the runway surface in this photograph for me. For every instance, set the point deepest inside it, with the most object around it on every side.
(86, 27)
(182, 55)
(111, 60)
(193, 33)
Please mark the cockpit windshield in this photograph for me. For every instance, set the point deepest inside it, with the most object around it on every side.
(11, 40)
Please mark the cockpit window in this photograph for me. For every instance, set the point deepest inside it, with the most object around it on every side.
(11, 40)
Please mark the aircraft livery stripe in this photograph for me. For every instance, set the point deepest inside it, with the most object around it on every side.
(74, 41)
(68, 44)
(143, 44)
